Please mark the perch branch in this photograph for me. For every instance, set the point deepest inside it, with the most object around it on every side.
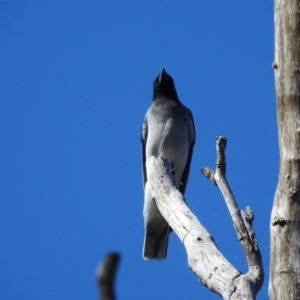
(204, 258)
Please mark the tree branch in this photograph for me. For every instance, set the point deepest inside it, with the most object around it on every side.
(204, 257)
(105, 276)
(242, 221)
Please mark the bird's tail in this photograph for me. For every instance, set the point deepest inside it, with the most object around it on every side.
(156, 245)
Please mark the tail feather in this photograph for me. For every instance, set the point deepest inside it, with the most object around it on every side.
(155, 246)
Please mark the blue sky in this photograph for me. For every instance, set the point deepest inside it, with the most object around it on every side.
(75, 83)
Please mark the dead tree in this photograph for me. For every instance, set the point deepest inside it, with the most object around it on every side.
(285, 219)
(204, 257)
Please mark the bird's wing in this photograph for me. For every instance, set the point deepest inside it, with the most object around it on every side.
(144, 140)
(186, 172)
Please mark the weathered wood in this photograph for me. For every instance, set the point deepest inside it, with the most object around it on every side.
(242, 225)
(285, 218)
(204, 258)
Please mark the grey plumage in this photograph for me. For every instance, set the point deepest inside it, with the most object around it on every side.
(168, 131)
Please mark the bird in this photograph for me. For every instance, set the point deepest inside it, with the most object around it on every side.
(168, 131)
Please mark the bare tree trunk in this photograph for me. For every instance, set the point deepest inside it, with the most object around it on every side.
(285, 219)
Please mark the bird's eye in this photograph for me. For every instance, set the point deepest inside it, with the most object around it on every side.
(155, 82)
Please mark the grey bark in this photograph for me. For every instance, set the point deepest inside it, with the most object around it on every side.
(285, 218)
(204, 257)
(105, 274)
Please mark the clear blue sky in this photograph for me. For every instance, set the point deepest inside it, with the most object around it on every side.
(75, 83)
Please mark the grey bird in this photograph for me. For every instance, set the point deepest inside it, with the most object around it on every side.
(169, 132)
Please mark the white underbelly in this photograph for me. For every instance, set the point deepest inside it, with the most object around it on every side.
(170, 142)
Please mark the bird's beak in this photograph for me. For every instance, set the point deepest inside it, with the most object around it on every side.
(162, 74)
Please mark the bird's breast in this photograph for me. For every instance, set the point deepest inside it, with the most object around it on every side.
(169, 139)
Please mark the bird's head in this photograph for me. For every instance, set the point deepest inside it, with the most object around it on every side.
(163, 86)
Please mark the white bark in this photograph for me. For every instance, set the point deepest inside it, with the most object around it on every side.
(204, 258)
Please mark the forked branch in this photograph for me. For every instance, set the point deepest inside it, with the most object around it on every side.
(204, 257)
